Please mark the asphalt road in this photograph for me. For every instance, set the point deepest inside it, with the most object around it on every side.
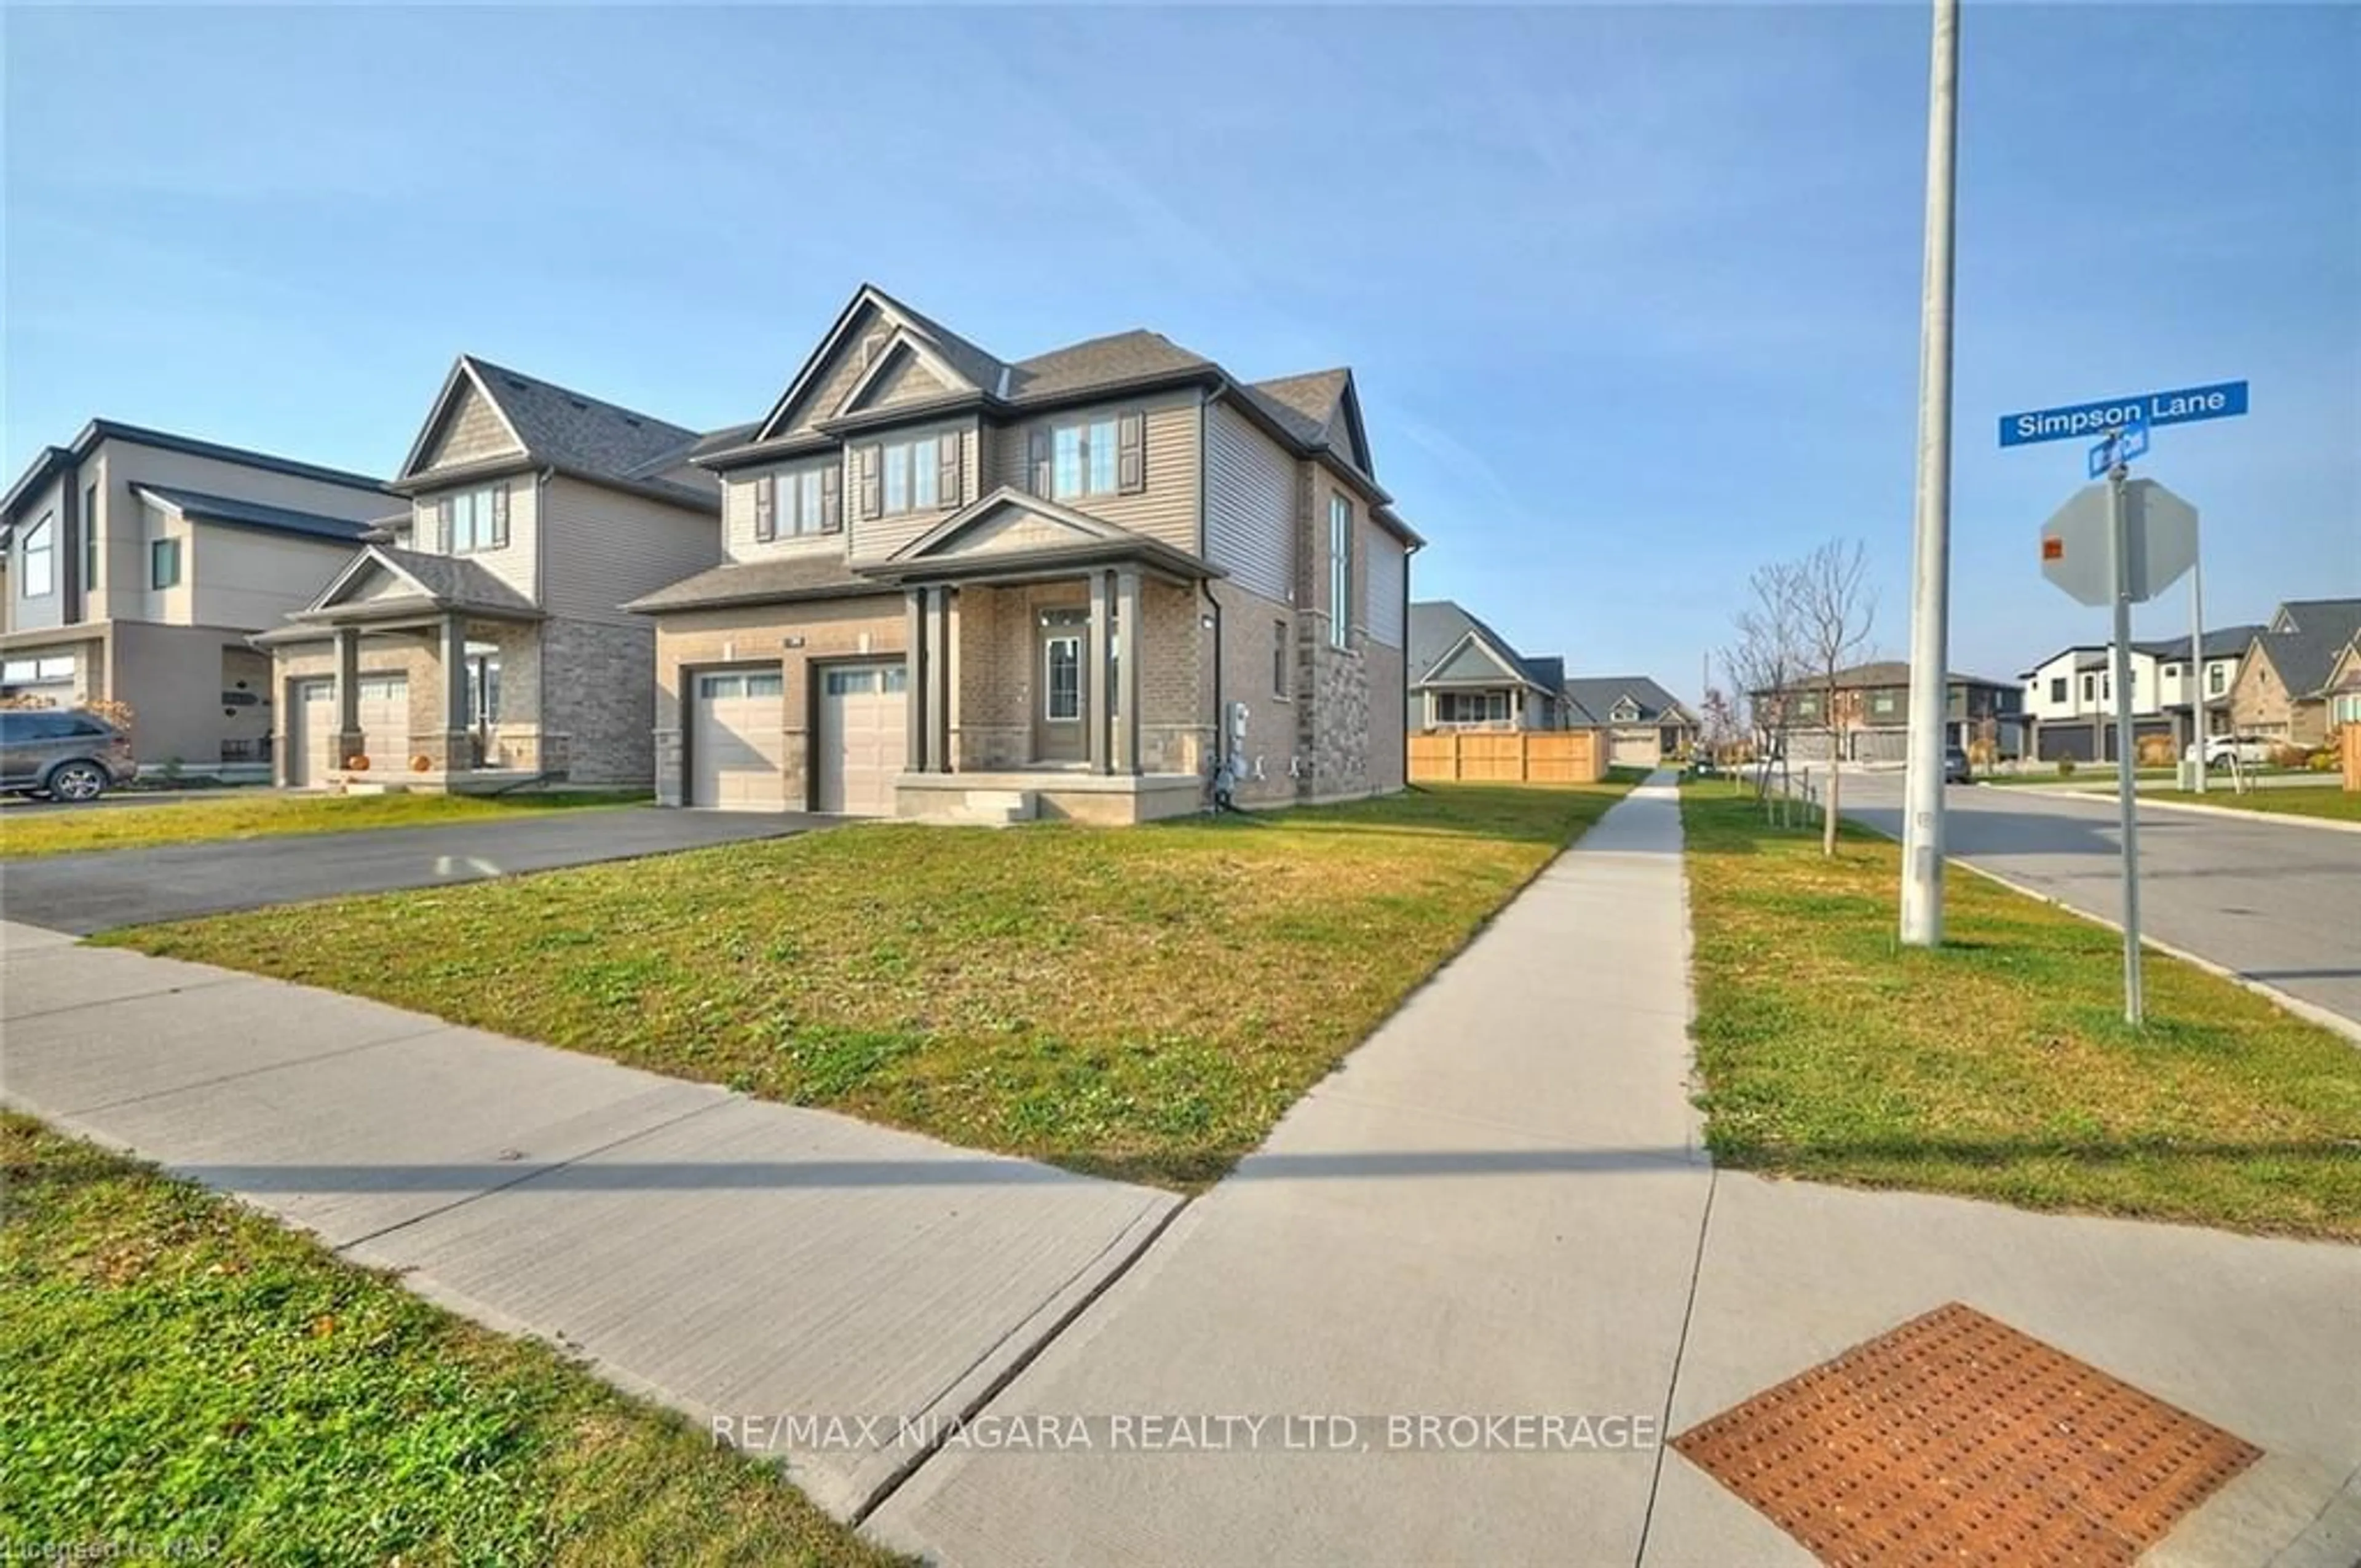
(2277, 903)
(82, 894)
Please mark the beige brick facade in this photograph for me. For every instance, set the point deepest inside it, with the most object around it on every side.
(758, 635)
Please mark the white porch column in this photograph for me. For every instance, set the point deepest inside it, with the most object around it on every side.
(349, 740)
(1094, 673)
(914, 703)
(938, 685)
(1127, 672)
(459, 752)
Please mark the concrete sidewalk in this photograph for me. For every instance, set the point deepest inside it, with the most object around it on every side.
(1496, 1208)
(1493, 1206)
(728, 1256)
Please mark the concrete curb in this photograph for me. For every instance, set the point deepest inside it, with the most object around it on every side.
(2293, 818)
(2310, 1012)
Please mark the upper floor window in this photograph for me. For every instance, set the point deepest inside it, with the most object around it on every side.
(1625, 712)
(2057, 689)
(1340, 572)
(1882, 704)
(476, 519)
(2217, 679)
(1100, 455)
(796, 503)
(40, 557)
(164, 564)
(914, 474)
(89, 538)
(2090, 687)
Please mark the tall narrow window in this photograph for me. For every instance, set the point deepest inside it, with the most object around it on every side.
(40, 557)
(164, 564)
(1278, 658)
(89, 538)
(1340, 572)
(913, 474)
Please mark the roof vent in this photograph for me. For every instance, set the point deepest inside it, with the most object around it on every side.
(632, 420)
(516, 385)
(579, 405)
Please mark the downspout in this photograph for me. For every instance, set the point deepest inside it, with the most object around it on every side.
(1407, 554)
(1221, 725)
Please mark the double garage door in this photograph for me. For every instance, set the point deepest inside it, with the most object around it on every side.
(736, 740)
(312, 727)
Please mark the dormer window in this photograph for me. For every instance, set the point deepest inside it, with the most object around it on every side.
(1626, 712)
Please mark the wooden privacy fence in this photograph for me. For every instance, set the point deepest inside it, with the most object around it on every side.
(2349, 739)
(1508, 756)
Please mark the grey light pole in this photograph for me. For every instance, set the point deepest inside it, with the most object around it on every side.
(1931, 567)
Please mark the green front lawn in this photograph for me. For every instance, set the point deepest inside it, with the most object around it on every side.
(1999, 1066)
(2297, 800)
(187, 1381)
(257, 814)
(1139, 1003)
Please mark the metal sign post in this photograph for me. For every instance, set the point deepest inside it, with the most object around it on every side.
(2198, 693)
(2119, 563)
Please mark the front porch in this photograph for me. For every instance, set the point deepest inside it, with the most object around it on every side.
(1057, 667)
(389, 684)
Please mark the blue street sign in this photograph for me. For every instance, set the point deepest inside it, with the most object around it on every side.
(2121, 446)
(2223, 399)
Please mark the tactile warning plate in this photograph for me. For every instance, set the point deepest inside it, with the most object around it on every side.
(1955, 1439)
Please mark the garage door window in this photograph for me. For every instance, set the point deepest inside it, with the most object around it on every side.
(866, 682)
(728, 687)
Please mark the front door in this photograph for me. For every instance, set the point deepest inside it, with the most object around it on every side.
(1060, 694)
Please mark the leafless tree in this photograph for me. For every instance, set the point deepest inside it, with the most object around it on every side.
(1765, 662)
(1718, 729)
(1836, 609)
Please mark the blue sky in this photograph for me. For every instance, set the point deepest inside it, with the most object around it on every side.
(1630, 292)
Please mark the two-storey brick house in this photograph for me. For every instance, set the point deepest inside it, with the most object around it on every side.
(478, 640)
(137, 565)
(1086, 584)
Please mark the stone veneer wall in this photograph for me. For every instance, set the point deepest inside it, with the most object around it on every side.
(597, 696)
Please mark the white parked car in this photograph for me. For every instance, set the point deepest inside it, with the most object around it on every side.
(2220, 751)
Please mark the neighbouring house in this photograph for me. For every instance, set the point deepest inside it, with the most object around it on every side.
(1871, 703)
(2069, 696)
(1086, 584)
(2344, 688)
(477, 639)
(1465, 675)
(136, 564)
(1643, 723)
(2282, 689)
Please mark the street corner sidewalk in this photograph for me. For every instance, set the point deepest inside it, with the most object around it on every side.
(749, 1263)
(1449, 1287)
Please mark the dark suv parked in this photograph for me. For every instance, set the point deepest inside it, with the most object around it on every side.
(64, 752)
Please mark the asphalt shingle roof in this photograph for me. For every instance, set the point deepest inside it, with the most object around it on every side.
(454, 579)
(1437, 627)
(1100, 362)
(203, 508)
(1597, 695)
(752, 581)
(569, 430)
(2306, 654)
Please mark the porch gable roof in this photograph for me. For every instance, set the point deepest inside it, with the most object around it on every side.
(383, 581)
(1010, 530)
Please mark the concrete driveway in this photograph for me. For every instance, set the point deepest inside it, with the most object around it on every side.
(82, 894)
(2277, 901)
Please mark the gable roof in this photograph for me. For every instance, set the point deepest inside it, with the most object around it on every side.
(198, 507)
(1309, 414)
(1327, 409)
(572, 432)
(53, 460)
(1598, 696)
(2304, 639)
(1439, 626)
(437, 583)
